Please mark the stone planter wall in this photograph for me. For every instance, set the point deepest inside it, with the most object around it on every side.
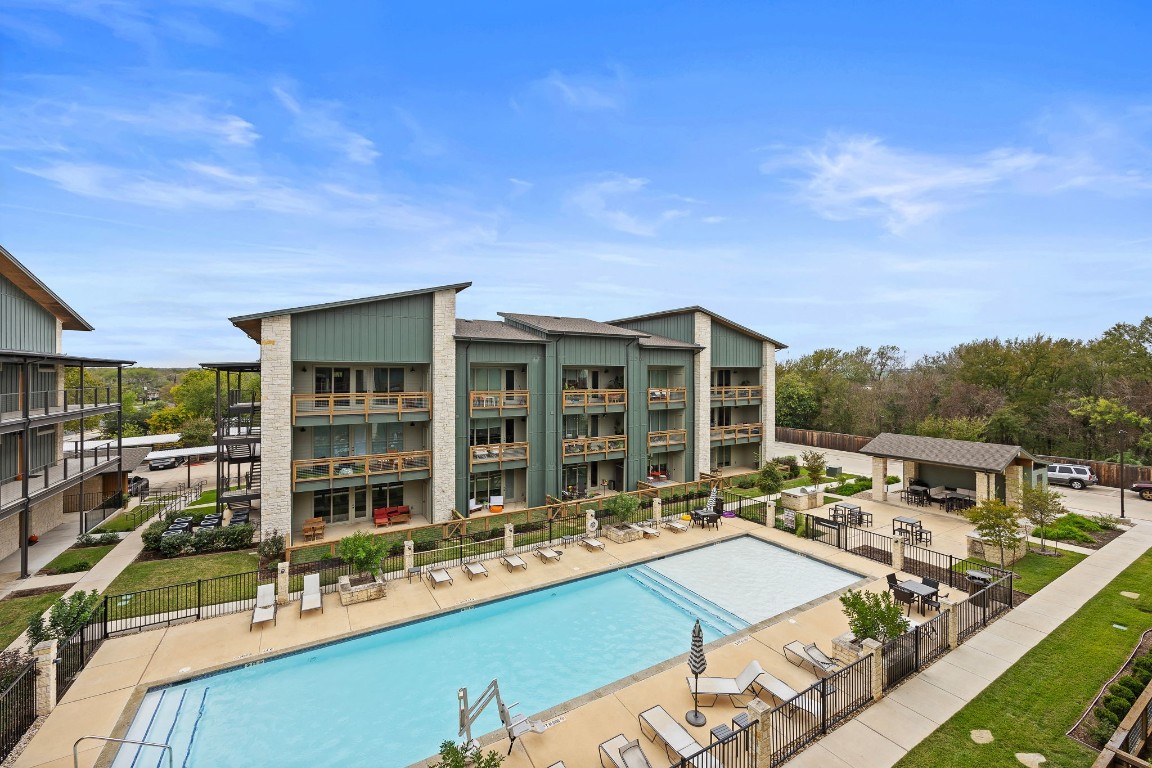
(621, 535)
(845, 651)
(361, 593)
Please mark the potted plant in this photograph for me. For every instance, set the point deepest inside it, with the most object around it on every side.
(361, 551)
(33, 539)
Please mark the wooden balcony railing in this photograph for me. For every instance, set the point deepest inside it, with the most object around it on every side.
(668, 396)
(401, 404)
(737, 393)
(500, 399)
(738, 432)
(306, 470)
(590, 446)
(667, 437)
(497, 453)
(585, 398)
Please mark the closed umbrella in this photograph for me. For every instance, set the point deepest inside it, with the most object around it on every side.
(697, 665)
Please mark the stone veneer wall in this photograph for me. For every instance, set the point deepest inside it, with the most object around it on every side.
(1014, 485)
(702, 386)
(768, 401)
(42, 517)
(276, 425)
(879, 478)
(443, 482)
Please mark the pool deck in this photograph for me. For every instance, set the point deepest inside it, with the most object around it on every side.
(101, 699)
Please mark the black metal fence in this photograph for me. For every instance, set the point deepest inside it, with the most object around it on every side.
(799, 721)
(946, 569)
(984, 606)
(752, 510)
(738, 749)
(200, 599)
(910, 652)
(17, 708)
(73, 654)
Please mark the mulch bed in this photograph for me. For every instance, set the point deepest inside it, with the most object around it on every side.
(1099, 538)
(36, 591)
(1084, 729)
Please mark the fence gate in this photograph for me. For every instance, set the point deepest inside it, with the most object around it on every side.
(826, 530)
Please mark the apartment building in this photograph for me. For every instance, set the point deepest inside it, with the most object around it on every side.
(392, 401)
(35, 408)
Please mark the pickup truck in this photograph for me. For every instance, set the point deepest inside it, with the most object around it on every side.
(1144, 489)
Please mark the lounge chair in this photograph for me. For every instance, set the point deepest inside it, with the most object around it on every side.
(474, 568)
(592, 544)
(675, 738)
(622, 753)
(727, 686)
(812, 657)
(514, 561)
(265, 609)
(547, 554)
(311, 599)
(679, 526)
(438, 576)
(782, 694)
(649, 531)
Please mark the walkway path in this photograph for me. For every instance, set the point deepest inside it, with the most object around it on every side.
(886, 731)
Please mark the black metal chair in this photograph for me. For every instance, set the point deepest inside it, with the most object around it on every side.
(893, 582)
(907, 598)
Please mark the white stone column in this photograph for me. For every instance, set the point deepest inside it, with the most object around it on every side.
(509, 537)
(45, 656)
(758, 709)
(897, 553)
(282, 588)
(953, 622)
(409, 555)
(702, 385)
(875, 650)
(1014, 485)
(879, 478)
(276, 426)
(908, 472)
(443, 481)
(657, 509)
(768, 402)
(985, 487)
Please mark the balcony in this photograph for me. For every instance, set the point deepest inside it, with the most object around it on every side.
(345, 408)
(315, 474)
(667, 397)
(580, 450)
(53, 478)
(498, 403)
(737, 434)
(57, 404)
(482, 458)
(747, 395)
(595, 400)
(668, 440)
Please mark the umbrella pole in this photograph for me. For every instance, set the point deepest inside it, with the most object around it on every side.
(696, 717)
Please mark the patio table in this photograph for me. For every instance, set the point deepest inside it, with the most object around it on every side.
(904, 522)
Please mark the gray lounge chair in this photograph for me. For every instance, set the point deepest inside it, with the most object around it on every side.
(649, 531)
(438, 576)
(782, 694)
(547, 554)
(675, 738)
(679, 526)
(265, 609)
(812, 657)
(727, 686)
(592, 544)
(513, 562)
(311, 599)
(622, 753)
(474, 568)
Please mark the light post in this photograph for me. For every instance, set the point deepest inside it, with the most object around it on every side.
(1123, 449)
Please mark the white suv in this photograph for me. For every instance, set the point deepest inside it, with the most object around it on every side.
(1073, 475)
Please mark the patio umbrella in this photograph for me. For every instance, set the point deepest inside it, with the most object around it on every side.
(697, 665)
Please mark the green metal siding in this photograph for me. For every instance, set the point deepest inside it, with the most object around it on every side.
(952, 477)
(732, 349)
(391, 331)
(41, 447)
(592, 351)
(680, 327)
(24, 324)
(9, 456)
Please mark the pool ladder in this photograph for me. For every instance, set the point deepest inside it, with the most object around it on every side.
(166, 748)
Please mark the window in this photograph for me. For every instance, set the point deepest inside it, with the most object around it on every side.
(332, 380)
(331, 506)
(388, 495)
(486, 485)
(721, 378)
(487, 379)
(486, 432)
(576, 477)
(387, 438)
(722, 457)
(575, 426)
(387, 379)
(721, 417)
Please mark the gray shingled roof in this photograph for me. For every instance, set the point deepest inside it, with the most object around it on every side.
(578, 326)
(493, 330)
(718, 318)
(982, 457)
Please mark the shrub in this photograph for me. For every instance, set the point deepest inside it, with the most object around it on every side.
(76, 567)
(746, 481)
(65, 617)
(362, 551)
(170, 546)
(152, 535)
(235, 536)
(622, 506)
(85, 540)
(202, 541)
(792, 463)
(1108, 719)
(769, 480)
(271, 547)
(452, 755)
(873, 614)
(1133, 685)
(107, 539)
(12, 663)
(1116, 705)
(1122, 692)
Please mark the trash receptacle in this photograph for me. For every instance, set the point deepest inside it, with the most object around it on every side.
(834, 471)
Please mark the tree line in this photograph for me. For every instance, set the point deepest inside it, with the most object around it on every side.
(1052, 396)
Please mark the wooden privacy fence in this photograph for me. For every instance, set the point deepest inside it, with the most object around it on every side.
(831, 441)
(1106, 471)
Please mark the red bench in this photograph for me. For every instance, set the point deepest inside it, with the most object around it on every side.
(391, 515)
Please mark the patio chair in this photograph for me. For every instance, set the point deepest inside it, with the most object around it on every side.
(592, 544)
(907, 598)
(893, 582)
(675, 738)
(622, 753)
(812, 657)
(649, 531)
(782, 694)
(547, 554)
(265, 609)
(311, 599)
(677, 526)
(512, 562)
(727, 686)
(938, 495)
(473, 568)
(438, 576)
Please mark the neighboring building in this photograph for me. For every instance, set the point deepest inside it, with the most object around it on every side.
(392, 401)
(35, 470)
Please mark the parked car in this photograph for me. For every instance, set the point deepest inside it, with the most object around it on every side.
(1073, 475)
(165, 463)
(1144, 489)
(138, 486)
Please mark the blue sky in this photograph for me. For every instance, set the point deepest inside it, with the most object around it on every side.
(833, 174)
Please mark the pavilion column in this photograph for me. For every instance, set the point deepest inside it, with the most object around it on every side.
(1014, 485)
(985, 487)
(879, 478)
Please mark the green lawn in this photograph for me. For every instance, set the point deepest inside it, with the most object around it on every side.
(16, 611)
(180, 570)
(1036, 571)
(64, 562)
(1031, 706)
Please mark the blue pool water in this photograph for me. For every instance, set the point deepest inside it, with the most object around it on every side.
(392, 695)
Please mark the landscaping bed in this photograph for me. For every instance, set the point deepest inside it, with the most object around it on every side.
(1035, 571)
(1103, 716)
(1083, 531)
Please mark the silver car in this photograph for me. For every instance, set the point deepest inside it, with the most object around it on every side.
(1073, 475)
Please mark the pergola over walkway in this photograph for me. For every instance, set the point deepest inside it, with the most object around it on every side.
(991, 470)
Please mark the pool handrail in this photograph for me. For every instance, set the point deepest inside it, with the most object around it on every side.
(76, 744)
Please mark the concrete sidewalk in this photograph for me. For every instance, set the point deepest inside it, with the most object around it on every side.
(887, 730)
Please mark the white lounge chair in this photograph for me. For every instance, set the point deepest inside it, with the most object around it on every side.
(474, 568)
(649, 531)
(678, 526)
(812, 657)
(782, 694)
(727, 686)
(513, 562)
(547, 554)
(311, 599)
(622, 753)
(592, 544)
(675, 738)
(439, 576)
(265, 609)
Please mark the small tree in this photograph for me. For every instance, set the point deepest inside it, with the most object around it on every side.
(65, 618)
(997, 522)
(361, 550)
(1042, 507)
(814, 465)
(622, 506)
(768, 479)
(873, 614)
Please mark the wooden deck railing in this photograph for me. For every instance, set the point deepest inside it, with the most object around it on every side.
(584, 398)
(738, 432)
(362, 403)
(587, 446)
(496, 453)
(668, 396)
(667, 437)
(498, 399)
(306, 470)
(737, 393)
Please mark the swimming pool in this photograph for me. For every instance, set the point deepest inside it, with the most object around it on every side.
(391, 695)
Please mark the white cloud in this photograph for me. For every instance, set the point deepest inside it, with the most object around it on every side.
(601, 201)
(316, 121)
(585, 93)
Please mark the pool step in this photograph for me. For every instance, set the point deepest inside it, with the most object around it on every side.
(157, 717)
(727, 616)
(710, 614)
